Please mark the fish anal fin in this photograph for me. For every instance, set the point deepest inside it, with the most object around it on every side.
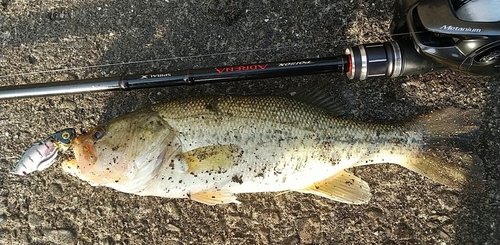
(212, 158)
(213, 197)
(343, 187)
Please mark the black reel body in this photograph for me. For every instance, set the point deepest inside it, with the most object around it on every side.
(462, 34)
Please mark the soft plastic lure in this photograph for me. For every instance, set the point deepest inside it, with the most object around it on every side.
(44, 153)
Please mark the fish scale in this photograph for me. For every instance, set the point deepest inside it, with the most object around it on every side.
(209, 149)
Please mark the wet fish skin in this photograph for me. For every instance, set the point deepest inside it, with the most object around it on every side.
(209, 149)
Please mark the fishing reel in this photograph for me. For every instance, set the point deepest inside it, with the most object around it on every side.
(429, 35)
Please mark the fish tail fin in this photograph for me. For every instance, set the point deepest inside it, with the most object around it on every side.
(444, 157)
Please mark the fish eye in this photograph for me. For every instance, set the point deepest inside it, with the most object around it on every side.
(98, 134)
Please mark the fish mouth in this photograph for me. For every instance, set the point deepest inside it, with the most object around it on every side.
(83, 148)
(91, 165)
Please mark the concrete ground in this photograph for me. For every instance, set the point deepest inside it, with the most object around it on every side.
(51, 207)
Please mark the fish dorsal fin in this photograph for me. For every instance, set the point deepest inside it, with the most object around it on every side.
(212, 158)
(213, 197)
(335, 103)
(343, 187)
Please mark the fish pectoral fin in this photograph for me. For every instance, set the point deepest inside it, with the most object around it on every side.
(212, 158)
(213, 197)
(342, 187)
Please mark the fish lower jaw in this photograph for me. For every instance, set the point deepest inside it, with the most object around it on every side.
(71, 167)
(68, 167)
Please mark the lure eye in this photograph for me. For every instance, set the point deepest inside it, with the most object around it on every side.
(98, 134)
(65, 135)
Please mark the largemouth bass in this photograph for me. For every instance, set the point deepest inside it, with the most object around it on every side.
(208, 149)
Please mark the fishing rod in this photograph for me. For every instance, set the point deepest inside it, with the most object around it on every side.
(430, 35)
(360, 62)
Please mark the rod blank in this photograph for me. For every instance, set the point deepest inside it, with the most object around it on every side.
(336, 64)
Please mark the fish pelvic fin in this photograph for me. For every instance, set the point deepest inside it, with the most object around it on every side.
(442, 158)
(342, 187)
